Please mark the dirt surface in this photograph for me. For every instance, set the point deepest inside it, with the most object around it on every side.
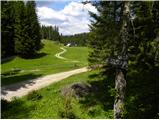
(23, 88)
(58, 55)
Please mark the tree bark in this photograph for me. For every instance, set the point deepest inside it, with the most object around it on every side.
(120, 85)
(120, 79)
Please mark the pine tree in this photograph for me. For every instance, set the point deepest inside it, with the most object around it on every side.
(7, 28)
(20, 36)
(20, 29)
(33, 28)
(105, 32)
(51, 33)
(123, 30)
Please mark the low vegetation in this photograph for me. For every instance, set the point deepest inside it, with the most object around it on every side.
(123, 52)
(45, 62)
(55, 105)
(51, 102)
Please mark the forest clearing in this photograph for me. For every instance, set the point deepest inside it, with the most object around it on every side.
(79, 59)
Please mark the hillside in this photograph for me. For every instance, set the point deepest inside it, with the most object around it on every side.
(43, 63)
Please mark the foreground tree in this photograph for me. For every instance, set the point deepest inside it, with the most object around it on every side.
(122, 32)
(20, 29)
(7, 28)
(120, 80)
(33, 41)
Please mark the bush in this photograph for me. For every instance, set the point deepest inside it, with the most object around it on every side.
(67, 112)
(4, 104)
(34, 95)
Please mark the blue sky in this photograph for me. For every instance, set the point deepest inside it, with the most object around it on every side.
(70, 16)
(57, 5)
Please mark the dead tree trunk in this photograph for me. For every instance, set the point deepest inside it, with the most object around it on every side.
(120, 79)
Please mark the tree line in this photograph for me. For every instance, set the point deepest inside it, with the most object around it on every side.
(20, 29)
(124, 40)
(50, 33)
(21, 32)
(77, 39)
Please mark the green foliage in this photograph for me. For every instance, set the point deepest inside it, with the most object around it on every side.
(21, 110)
(20, 29)
(105, 32)
(7, 27)
(34, 95)
(68, 112)
(43, 63)
(4, 104)
(77, 39)
(53, 103)
(142, 48)
(142, 96)
(51, 33)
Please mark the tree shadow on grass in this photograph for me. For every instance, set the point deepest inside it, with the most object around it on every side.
(142, 95)
(100, 92)
(15, 109)
(20, 84)
(35, 56)
(10, 72)
(7, 59)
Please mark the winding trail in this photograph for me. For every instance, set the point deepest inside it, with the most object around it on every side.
(23, 88)
(60, 53)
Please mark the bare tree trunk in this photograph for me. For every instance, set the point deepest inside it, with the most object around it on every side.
(120, 79)
(120, 85)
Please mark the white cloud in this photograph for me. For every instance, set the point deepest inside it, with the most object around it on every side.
(74, 18)
(48, 13)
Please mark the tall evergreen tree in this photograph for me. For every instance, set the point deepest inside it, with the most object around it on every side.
(123, 30)
(33, 28)
(20, 28)
(7, 28)
(51, 33)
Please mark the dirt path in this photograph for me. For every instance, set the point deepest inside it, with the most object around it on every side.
(58, 55)
(22, 88)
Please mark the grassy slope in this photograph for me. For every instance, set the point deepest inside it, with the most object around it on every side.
(52, 102)
(141, 98)
(44, 63)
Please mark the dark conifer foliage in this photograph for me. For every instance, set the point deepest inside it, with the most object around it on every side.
(77, 39)
(7, 29)
(51, 33)
(20, 29)
(32, 28)
(107, 31)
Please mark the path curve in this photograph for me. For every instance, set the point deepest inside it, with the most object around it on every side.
(23, 88)
(60, 53)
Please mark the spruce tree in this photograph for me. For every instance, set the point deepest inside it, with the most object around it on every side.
(20, 36)
(7, 28)
(33, 28)
(113, 35)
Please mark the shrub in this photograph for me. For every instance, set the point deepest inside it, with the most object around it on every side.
(4, 104)
(34, 95)
(67, 112)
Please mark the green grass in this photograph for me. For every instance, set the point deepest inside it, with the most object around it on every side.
(77, 53)
(52, 102)
(141, 98)
(43, 63)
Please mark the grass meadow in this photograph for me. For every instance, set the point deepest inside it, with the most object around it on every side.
(18, 69)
